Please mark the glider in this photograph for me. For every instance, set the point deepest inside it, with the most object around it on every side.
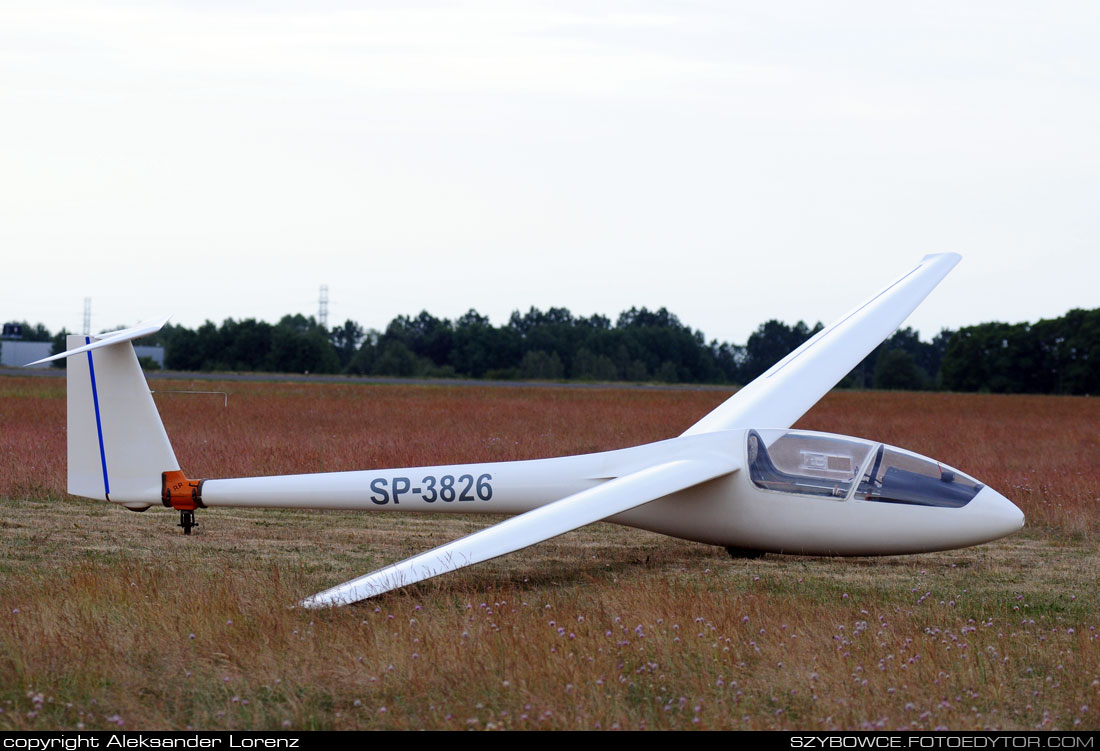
(739, 478)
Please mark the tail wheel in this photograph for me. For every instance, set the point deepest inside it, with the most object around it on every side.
(182, 494)
(187, 521)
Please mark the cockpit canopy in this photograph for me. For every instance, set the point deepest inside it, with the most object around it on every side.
(822, 464)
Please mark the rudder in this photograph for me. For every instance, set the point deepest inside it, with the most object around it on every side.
(117, 445)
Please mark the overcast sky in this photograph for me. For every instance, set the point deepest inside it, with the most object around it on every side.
(732, 161)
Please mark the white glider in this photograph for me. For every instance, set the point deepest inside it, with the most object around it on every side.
(739, 478)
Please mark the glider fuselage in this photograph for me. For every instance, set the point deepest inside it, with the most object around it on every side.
(742, 509)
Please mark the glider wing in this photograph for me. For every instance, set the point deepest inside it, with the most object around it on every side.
(610, 498)
(788, 389)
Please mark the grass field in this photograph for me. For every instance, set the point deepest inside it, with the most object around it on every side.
(113, 619)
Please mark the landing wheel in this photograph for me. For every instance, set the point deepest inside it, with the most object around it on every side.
(187, 521)
(745, 553)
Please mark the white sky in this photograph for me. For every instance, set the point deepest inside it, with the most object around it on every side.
(732, 161)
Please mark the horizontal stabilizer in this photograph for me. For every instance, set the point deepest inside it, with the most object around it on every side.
(112, 337)
(610, 498)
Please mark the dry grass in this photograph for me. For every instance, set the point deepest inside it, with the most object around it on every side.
(109, 618)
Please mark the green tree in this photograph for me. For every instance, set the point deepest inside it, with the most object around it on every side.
(396, 359)
(542, 366)
(589, 366)
(667, 373)
(1060, 355)
(300, 345)
(246, 345)
(1079, 364)
(364, 359)
(346, 341)
(425, 336)
(480, 347)
(635, 370)
(182, 348)
(926, 356)
(57, 346)
(897, 369)
(771, 342)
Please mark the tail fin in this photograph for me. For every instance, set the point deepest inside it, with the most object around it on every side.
(118, 449)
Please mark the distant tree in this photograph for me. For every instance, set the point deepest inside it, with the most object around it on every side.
(1060, 355)
(965, 364)
(425, 336)
(301, 323)
(656, 337)
(540, 365)
(182, 348)
(635, 370)
(771, 342)
(667, 373)
(730, 360)
(897, 369)
(998, 357)
(535, 318)
(1078, 348)
(1055, 356)
(595, 321)
(363, 361)
(480, 347)
(346, 340)
(58, 344)
(644, 318)
(296, 349)
(926, 356)
(39, 333)
(396, 359)
(247, 345)
(589, 366)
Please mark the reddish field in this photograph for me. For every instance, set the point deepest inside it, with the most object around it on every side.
(1040, 451)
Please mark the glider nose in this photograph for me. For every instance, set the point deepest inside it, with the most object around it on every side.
(999, 516)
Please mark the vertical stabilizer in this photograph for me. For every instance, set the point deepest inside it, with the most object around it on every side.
(117, 444)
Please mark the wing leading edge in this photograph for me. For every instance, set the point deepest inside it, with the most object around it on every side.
(569, 513)
(788, 389)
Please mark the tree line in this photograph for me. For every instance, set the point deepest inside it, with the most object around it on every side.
(1057, 356)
